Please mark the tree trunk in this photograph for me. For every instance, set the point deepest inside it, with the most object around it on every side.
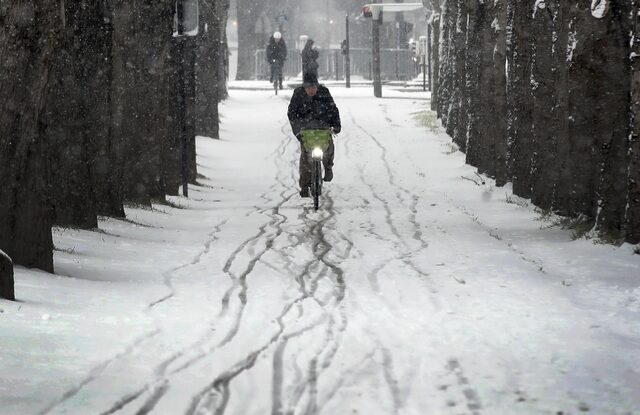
(28, 37)
(473, 88)
(142, 36)
(435, 59)
(544, 170)
(500, 93)
(561, 54)
(223, 62)
(521, 123)
(633, 198)
(612, 49)
(6, 278)
(74, 116)
(248, 41)
(447, 27)
(458, 111)
(584, 103)
(207, 71)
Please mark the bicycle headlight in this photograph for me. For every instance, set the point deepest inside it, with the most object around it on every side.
(317, 153)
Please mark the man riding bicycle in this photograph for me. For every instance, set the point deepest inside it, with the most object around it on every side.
(312, 108)
(276, 56)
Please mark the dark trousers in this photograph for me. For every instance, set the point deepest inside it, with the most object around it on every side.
(306, 163)
(276, 72)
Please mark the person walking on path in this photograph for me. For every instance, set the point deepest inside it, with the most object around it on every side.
(276, 56)
(312, 107)
(310, 58)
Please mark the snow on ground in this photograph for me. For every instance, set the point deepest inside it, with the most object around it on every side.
(412, 290)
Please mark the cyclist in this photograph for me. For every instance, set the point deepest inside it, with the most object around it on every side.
(276, 56)
(312, 107)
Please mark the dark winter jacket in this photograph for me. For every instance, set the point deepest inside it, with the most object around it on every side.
(319, 111)
(276, 51)
(310, 58)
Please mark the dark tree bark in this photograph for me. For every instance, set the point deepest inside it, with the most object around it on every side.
(435, 53)
(445, 91)
(222, 7)
(520, 106)
(207, 71)
(584, 104)
(28, 37)
(142, 36)
(612, 49)
(543, 177)
(500, 93)
(633, 198)
(458, 112)
(487, 127)
(6, 278)
(473, 87)
(75, 113)
(561, 55)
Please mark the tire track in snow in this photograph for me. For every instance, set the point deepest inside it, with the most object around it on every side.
(160, 385)
(98, 370)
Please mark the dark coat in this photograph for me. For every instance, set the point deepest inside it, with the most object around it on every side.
(319, 111)
(309, 59)
(276, 51)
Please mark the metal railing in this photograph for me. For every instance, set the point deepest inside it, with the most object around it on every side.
(396, 64)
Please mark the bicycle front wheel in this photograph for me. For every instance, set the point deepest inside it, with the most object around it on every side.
(317, 183)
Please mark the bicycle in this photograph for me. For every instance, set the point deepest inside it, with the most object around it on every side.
(316, 143)
(276, 71)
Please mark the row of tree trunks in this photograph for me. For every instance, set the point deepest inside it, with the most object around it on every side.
(541, 93)
(88, 114)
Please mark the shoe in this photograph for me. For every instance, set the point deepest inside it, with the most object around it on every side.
(304, 192)
(328, 175)
(281, 87)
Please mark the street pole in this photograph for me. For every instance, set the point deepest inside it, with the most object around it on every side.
(424, 73)
(347, 69)
(377, 76)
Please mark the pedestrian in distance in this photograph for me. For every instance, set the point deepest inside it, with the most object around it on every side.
(310, 58)
(311, 108)
(276, 56)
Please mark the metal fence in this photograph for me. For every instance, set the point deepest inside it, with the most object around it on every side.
(396, 64)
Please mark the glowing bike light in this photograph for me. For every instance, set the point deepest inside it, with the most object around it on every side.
(317, 153)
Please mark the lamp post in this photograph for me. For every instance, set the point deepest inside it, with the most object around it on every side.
(347, 53)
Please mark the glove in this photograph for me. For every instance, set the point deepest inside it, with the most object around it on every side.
(336, 130)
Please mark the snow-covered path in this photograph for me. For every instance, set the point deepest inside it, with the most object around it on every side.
(412, 291)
